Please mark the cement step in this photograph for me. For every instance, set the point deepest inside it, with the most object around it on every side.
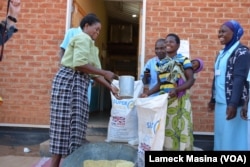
(99, 134)
(44, 146)
(96, 134)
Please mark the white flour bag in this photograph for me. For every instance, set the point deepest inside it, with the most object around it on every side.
(151, 112)
(123, 122)
(151, 121)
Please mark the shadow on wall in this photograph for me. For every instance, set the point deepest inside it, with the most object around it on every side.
(205, 142)
(14, 136)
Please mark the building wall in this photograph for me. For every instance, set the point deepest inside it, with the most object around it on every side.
(31, 56)
(30, 62)
(197, 21)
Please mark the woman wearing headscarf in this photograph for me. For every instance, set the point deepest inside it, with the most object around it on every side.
(230, 89)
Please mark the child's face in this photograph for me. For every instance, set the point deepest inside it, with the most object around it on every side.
(195, 64)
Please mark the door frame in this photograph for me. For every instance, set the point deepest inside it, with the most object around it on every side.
(142, 31)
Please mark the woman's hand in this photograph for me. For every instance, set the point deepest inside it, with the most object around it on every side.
(243, 112)
(172, 93)
(143, 95)
(211, 106)
(115, 92)
(231, 112)
(109, 76)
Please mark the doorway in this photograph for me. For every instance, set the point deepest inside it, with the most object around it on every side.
(122, 49)
(123, 36)
(124, 46)
(123, 39)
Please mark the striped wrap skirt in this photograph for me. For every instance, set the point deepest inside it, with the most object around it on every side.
(69, 110)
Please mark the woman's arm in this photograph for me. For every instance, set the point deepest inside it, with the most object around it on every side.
(105, 77)
(243, 112)
(104, 82)
(186, 85)
(87, 68)
(241, 69)
(155, 89)
(189, 74)
(240, 72)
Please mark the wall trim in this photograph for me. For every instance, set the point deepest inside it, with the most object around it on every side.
(47, 126)
(23, 125)
(203, 133)
(68, 15)
(143, 38)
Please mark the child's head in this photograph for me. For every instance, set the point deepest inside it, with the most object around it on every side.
(197, 65)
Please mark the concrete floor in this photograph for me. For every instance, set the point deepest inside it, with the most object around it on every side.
(14, 140)
(18, 161)
(11, 146)
(15, 157)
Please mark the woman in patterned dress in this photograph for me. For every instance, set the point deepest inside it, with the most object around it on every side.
(179, 124)
(69, 102)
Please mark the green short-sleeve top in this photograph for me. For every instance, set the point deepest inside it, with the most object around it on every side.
(80, 51)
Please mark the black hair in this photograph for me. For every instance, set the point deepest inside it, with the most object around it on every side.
(177, 38)
(160, 40)
(90, 19)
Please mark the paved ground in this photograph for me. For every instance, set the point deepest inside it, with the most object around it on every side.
(18, 150)
(14, 156)
(18, 161)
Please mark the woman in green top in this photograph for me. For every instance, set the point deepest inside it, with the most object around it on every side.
(69, 102)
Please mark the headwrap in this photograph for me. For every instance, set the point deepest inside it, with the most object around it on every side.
(237, 32)
(201, 65)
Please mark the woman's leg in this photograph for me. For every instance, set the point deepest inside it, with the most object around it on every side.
(55, 160)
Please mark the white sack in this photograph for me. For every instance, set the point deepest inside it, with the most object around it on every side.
(151, 113)
(123, 122)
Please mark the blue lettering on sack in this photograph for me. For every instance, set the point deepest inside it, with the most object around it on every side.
(153, 125)
(128, 103)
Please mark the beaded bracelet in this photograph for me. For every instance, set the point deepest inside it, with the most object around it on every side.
(12, 18)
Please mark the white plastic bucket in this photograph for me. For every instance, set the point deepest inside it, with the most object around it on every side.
(126, 86)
